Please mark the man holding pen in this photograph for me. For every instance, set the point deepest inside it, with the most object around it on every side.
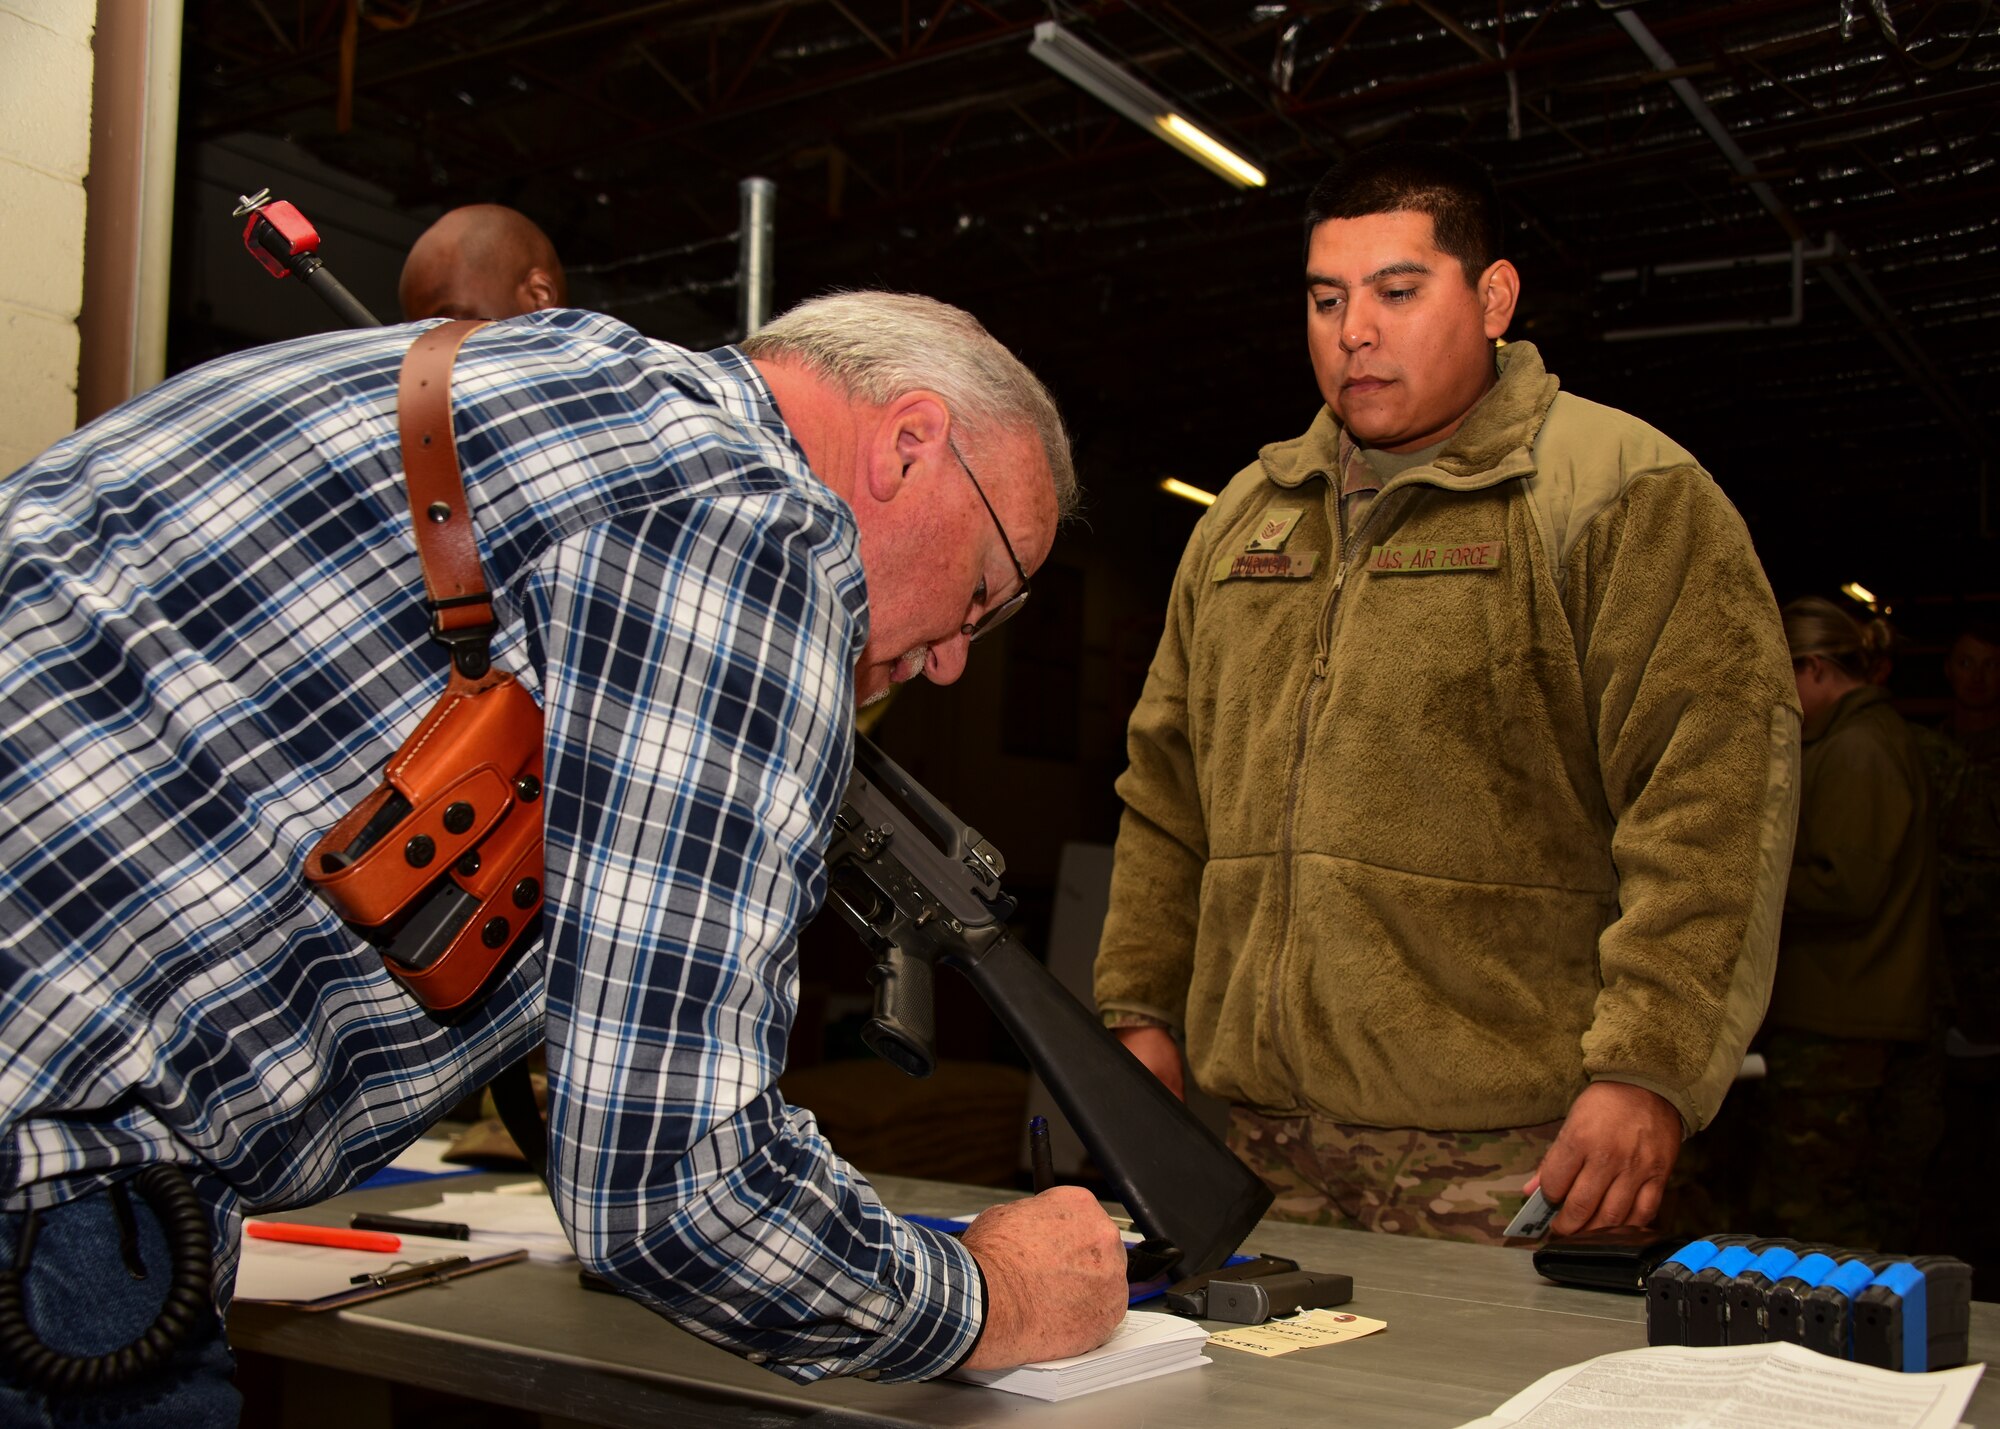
(212, 638)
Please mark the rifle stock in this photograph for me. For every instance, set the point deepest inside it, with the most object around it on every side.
(922, 888)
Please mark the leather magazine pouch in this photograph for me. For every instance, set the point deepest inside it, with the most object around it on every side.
(1611, 1258)
(440, 867)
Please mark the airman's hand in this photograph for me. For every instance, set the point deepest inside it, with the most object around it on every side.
(1155, 1046)
(1610, 1162)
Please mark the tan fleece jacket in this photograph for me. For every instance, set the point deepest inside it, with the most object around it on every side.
(1856, 956)
(1431, 823)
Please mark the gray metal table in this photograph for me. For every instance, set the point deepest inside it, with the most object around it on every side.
(1468, 1326)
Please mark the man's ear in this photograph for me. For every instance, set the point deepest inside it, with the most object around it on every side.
(1499, 292)
(540, 290)
(913, 436)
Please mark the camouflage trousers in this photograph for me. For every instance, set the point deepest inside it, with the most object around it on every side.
(1847, 1132)
(1446, 1185)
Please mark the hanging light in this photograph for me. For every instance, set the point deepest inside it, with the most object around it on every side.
(1090, 71)
(1173, 486)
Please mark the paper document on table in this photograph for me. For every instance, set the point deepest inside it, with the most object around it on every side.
(528, 1220)
(1779, 1386)
(322, 1277)
(1145, 1344)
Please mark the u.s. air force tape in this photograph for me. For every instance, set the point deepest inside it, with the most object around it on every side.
(1427, 557)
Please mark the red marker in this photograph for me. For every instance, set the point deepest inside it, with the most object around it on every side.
(333, 1236)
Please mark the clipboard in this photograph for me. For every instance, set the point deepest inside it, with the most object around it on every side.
(321, 1277)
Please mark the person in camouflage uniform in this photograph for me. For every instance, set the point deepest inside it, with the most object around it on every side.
(1444, 1185)
(1462, 786)
(1848, 1130)
(1850, 1109)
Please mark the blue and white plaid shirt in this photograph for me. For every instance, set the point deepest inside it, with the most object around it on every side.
(212, 637)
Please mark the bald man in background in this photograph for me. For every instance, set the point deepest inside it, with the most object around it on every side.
(481, 261)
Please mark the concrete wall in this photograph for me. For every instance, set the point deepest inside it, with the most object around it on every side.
(45, 78)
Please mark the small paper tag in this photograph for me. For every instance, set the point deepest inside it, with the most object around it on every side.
(1266, 565)
(1437, 557)
(1301, 1332)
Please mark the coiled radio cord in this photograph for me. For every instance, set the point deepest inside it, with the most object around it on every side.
(171, 1194)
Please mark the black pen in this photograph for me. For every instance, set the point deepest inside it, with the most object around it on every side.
(410, 1225)
(423, 1270)
(1039, 1155)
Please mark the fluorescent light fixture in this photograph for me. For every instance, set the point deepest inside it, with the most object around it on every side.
(1224, 160)
(1854, 590)
(1088, 70)
(1175, 487)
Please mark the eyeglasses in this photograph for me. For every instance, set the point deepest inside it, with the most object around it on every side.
(998, 615)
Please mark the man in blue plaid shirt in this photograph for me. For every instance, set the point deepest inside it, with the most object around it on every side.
(213, 636)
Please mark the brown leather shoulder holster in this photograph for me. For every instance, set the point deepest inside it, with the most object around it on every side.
(441, 866)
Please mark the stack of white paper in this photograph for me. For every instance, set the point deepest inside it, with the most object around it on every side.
(1776, 1386)
(317, 1277)
(1147, 1343)
(517, 1219)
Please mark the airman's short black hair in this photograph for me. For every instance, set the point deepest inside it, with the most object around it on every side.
(1455, 191)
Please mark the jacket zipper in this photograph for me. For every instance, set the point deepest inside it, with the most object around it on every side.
(1321, 656)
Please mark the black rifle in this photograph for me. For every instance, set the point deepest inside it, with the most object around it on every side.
(933, 895)
(922, 888)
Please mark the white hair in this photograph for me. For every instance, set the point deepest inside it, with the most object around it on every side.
(876, 346)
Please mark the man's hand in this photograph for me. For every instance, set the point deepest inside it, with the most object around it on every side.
(1611, 1159)
(1155, 1046)
(1055, 1278)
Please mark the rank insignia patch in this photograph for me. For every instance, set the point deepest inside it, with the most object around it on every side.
(1274, 529)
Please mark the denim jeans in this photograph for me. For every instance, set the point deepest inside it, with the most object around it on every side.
(82, 1300)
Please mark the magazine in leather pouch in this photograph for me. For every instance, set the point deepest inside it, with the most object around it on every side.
(441, 866)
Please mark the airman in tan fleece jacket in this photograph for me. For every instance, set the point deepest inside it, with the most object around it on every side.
(1461, 811)
(1522, 819)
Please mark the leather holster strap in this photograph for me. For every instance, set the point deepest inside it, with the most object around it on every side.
(439, 513)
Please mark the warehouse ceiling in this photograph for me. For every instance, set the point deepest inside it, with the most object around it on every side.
(1666, 166)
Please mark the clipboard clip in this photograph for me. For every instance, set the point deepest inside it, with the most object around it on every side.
(405, 1273)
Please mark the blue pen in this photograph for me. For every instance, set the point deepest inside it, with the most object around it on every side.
(1039, 1155)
